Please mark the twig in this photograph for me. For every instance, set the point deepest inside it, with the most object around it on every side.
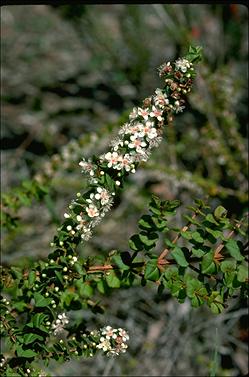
(105, 267)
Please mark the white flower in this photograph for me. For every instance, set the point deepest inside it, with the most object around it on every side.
(86, 233)
(102, 195)
(132, 128)
(160, 99)
(105, 344)
(179, 109)
(133, 114)
(123, 334)
(137, 143)
(155, 142)
(92, 211)
(148, 130)
(123, 129)
(112, 159)
(116, 143)
(125, 162)
(113, 352)
(109, 332)
(156, 113)
(183, 65)
(87, 166)
(144, 113)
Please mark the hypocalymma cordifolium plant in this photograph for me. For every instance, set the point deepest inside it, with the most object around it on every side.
(203, 262)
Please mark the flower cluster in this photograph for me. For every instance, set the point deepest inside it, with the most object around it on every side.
(87, 167)
(113, 341)
(59, 324)
(133, 145)
(92, 208)
(183, 65)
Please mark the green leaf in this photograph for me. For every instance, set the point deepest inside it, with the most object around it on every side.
(32, 277)
(207, 264)
(187, 235)
(220, 212)
(229, 279)
(197, 252)
(38, 319)
(148, 239)
(169, 206)
(103, 287)
(196, 302)
(86, 290)
(30, 338)
(191, 220)
(233, 249)
(41, 301)
(16, 272)
(197, 237)
(155, 201)
(194, 54)
(59, 276)
(69, 298)
(146, 223)
(242, 273)
(179, 257)
(135, 243)
(210, 218)
(171, 274)
(160, 224)
(169, 243)
(109, 182)
(151, 270)
(81, 270)
(215, 233)
(25, 353)
(19, 306)
(216, 303)
(216, 308)
(228, 266)
(193, 287)
(112, 280)
(154, 208)
(175, 288)
(119, 262)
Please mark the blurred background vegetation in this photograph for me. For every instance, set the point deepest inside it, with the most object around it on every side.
(70, 76)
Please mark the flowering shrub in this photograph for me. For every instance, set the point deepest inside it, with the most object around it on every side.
(204, 262)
